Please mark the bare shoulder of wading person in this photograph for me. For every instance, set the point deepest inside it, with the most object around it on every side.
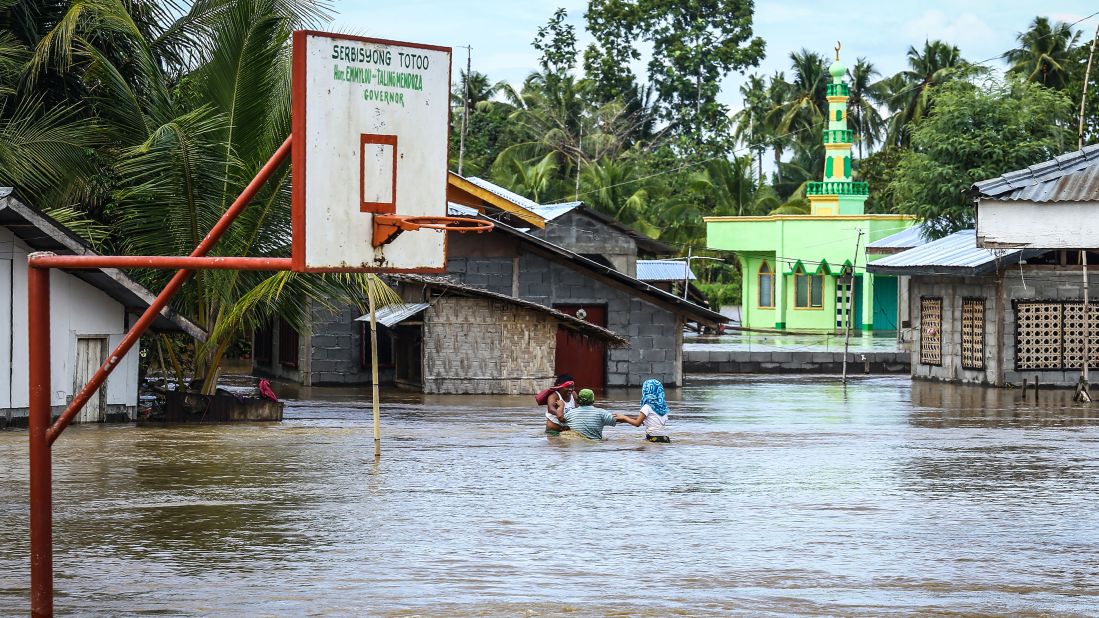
(588, 420)
(558, 399)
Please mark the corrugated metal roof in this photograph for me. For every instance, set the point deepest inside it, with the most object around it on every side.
(394, 314)
(510, 196)
(1071, 177)
(663, 270)
(906, 239)
(458, 210)
(549, 212)
(957, 254)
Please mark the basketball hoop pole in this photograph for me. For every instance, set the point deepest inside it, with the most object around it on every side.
(41, 434)
(374, 390)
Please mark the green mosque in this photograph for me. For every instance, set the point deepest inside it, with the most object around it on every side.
(794, 267)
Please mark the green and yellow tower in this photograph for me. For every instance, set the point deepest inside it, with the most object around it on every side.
(837, 194)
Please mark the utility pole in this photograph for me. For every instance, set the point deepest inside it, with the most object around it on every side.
(579, 156)
(687, 273)
(465, 111)
(1084, 94)
(848, 299)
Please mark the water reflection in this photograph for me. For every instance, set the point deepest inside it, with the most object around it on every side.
(778, 496)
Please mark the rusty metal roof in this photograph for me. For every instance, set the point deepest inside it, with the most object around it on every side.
(1071, 177)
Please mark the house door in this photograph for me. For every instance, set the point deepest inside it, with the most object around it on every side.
(582, 357)
(409, 356)
(90, 354)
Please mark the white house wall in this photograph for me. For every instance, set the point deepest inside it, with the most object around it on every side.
(7, 265)
(1067, 225)
(77, 310)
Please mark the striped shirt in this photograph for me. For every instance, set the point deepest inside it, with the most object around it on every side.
(589, 421)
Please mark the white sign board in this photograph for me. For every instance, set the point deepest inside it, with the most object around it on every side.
(370, 136)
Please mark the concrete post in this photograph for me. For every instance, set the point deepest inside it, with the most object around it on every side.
(867, 301)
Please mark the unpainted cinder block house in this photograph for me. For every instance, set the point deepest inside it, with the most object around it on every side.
(518, 260)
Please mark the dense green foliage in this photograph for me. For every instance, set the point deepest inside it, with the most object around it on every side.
(136, 123)
(659, 152)
(139, 123)
(976, 132)
(719, 295)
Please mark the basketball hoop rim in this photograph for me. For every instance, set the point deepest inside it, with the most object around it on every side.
(387, 227)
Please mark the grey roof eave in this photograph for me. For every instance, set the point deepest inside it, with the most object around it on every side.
(42, 233)
(569, 321)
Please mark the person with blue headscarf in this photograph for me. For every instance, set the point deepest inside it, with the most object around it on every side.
(654, 413)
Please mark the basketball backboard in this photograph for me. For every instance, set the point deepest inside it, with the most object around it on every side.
(370, 137)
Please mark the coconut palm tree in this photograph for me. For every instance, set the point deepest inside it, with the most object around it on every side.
(805, 109)
(1044, 53)
(187, 130)
(750, 123)
(863, 112)
(934, 65)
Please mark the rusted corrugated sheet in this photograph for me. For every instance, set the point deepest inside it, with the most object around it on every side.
(1071, 177)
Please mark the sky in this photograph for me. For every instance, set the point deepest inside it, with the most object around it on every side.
(500, 31)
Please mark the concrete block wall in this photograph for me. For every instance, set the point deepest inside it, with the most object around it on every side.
(1038, 283)
(581, 233)
(953, 290)
(336, 346)
(482, 346)
(655, 334)
(725, 361)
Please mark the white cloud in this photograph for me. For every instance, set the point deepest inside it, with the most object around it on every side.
(967, 30)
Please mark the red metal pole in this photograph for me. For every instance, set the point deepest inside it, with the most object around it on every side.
(38, 422)
(146, 320)
(50, 260)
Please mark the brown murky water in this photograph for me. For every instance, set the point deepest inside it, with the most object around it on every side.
(778, 497)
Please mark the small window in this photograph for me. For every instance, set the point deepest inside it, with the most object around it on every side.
(808, 291)
(839, 115)
(847, 167)
(828, 167)
(973, 333)
(766, 286)
(931, 334)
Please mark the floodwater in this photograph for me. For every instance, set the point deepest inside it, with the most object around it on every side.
(777, 497)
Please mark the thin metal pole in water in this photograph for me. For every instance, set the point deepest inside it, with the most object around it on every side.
(1082, 389)
(465, 111)
(38, 423)
(374, 371)
(1087, 316)
(849, 299)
